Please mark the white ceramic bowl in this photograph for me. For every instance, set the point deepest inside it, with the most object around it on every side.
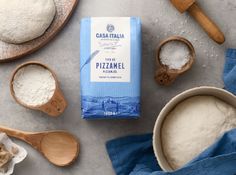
(204, 90)
(18, 157)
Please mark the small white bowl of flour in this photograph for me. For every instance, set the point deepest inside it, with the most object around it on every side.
(34, 85)
(190, 123)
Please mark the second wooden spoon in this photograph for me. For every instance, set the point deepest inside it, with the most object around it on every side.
(59, 147)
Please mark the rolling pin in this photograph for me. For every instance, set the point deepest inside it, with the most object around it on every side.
(207, 24)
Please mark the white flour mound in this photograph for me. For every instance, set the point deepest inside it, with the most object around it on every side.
(34, 85)
(175, 54)
(24, 20)
(194, 125)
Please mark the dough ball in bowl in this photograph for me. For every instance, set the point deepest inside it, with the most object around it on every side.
(193, 125)
(25, 20)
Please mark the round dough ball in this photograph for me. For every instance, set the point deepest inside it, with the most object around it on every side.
(25, 20)
(193, 125)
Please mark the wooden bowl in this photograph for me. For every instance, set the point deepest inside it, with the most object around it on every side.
(164, 75)
(55, 106)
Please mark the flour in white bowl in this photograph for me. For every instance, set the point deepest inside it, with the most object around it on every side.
(193, 125)
(175, 54)
(34, 85)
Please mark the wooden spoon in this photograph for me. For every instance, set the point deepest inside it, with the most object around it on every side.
(59, 147)
(166, 76)
(55, 106)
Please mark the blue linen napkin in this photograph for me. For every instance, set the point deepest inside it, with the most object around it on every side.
(133, 155)
(229, 74)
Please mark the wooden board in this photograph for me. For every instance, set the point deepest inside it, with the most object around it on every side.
(10, 52)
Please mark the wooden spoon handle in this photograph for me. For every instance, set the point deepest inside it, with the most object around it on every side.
(207, 24)
(164, 77)
(14, 133)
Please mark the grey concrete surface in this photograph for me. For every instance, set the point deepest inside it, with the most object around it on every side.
(160, 20)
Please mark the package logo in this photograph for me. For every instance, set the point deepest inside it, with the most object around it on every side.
(110, 28)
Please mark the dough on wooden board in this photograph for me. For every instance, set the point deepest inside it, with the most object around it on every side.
(25, 20)
(193, 125)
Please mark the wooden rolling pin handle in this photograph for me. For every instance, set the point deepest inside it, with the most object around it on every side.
(208, 25)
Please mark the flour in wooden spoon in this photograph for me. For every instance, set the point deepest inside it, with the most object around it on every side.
(34, 85)
(175, 55)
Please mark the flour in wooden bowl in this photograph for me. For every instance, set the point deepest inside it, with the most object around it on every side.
(175, 55)
(192, 126)
(34, 85)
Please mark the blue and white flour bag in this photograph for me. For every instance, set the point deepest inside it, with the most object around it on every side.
(110, 67)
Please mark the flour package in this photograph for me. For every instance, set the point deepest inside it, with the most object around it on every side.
(110, 67)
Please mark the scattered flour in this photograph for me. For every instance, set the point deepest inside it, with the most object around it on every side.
(194, 125)
(175, 54)
(34, 85)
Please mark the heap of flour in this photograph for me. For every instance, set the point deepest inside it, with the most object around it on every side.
(34, 85)
(175, 54)
(194, 125)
